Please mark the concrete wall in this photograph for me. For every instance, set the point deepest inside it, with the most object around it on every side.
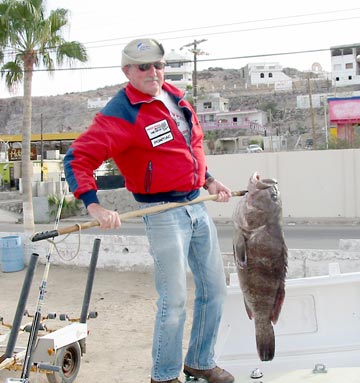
(131, 253)
(313, 183)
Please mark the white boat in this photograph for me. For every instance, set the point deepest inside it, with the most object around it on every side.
(317, 335)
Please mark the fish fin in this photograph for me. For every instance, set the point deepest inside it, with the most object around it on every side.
(248, 311)
(278, 303)
(239, 249)
(280, 296)
(265, 340)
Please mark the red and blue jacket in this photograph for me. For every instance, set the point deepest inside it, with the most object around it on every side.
(143, 140)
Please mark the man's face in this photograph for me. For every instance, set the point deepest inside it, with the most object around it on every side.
(146, 77)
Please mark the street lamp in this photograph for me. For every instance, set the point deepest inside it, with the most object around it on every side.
(195, 51)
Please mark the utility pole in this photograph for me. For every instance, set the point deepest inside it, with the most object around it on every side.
(271, 127)
(195, 51)
(312, 114)
(326, 123)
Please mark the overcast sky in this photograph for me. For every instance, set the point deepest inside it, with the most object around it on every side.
(236, 34)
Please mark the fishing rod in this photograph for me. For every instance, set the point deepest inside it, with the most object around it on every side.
(124, 216)
(42, 291)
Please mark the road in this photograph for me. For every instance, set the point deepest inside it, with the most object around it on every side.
(297, 236)
(303, 236)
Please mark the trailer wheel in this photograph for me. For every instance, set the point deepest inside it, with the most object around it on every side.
(68, 359)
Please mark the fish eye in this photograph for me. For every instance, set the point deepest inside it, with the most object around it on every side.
(274, 195)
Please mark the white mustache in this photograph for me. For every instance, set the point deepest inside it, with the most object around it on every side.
(152, 79)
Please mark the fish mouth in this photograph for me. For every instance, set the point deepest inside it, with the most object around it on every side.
(255, 178)
(262, 184)
(259, 184)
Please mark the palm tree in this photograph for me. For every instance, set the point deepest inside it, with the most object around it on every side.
(29, 40)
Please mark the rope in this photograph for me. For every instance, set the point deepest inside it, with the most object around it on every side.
(55, 243)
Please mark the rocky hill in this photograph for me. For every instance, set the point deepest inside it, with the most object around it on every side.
(70, 112)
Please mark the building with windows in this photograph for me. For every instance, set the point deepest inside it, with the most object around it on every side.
(345, 64)
(268, 74)
(178, 70)
(212, 102)
(344, 117)
(213, 112)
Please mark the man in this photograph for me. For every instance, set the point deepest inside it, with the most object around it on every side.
(153, 135)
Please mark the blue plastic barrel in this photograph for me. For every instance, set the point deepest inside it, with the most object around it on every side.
(11, 254)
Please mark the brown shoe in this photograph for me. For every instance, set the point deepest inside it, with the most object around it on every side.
(176, 380)
(212, 375)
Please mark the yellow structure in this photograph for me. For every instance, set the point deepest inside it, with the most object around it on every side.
(69, 136)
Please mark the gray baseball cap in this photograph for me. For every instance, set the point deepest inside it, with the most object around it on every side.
(142, 51)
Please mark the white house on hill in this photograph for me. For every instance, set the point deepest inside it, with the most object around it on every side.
(178, 70)
(345, 64)
(268, 74)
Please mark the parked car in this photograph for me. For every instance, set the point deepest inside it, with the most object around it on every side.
(254, 148)
(309, 143)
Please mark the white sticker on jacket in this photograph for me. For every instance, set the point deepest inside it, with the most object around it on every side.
(159, 133)
(162, 139)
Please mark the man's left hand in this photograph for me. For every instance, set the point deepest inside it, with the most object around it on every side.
(223, 192)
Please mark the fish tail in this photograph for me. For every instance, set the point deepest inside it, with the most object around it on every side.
(265, 339)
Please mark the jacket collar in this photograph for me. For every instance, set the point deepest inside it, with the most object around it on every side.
(135, 96)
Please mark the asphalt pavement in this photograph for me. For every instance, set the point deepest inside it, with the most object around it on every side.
(299, 234)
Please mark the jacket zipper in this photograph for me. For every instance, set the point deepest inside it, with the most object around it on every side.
(148, 177)
(190, 147)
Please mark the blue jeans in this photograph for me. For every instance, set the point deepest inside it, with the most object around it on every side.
(180, 237)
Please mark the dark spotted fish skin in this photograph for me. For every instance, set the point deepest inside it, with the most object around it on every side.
(260, 255)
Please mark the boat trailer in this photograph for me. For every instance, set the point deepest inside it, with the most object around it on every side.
(58, 352)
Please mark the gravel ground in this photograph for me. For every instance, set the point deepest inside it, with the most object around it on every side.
(120, 338)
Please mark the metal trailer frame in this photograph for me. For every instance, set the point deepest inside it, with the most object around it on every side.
(57, 353)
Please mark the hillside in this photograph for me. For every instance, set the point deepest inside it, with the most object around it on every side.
(69, 112)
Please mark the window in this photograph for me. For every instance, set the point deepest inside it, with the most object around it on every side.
(270, 75)
(349, 66)
(173, 77)
(174, 64)
(350, 78)
(262, 75)
(207, 105)
(347, 51)
(337, 78)
(336, 52)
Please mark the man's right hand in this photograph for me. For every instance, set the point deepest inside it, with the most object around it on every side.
(108, 219)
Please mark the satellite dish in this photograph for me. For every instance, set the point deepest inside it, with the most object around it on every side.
(316, 67)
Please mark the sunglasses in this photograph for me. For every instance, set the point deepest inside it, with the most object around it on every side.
(147, 66)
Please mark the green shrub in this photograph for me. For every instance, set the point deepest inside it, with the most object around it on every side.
(70, 206)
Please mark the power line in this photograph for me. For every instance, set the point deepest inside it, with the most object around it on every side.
(267, 55)
(203, 60)
(219, 33)
(167, 37)
(227, 25)
(239, 31)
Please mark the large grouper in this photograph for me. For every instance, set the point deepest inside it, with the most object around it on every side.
(261, 258)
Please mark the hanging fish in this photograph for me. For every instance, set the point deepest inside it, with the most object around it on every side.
(261, 258)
